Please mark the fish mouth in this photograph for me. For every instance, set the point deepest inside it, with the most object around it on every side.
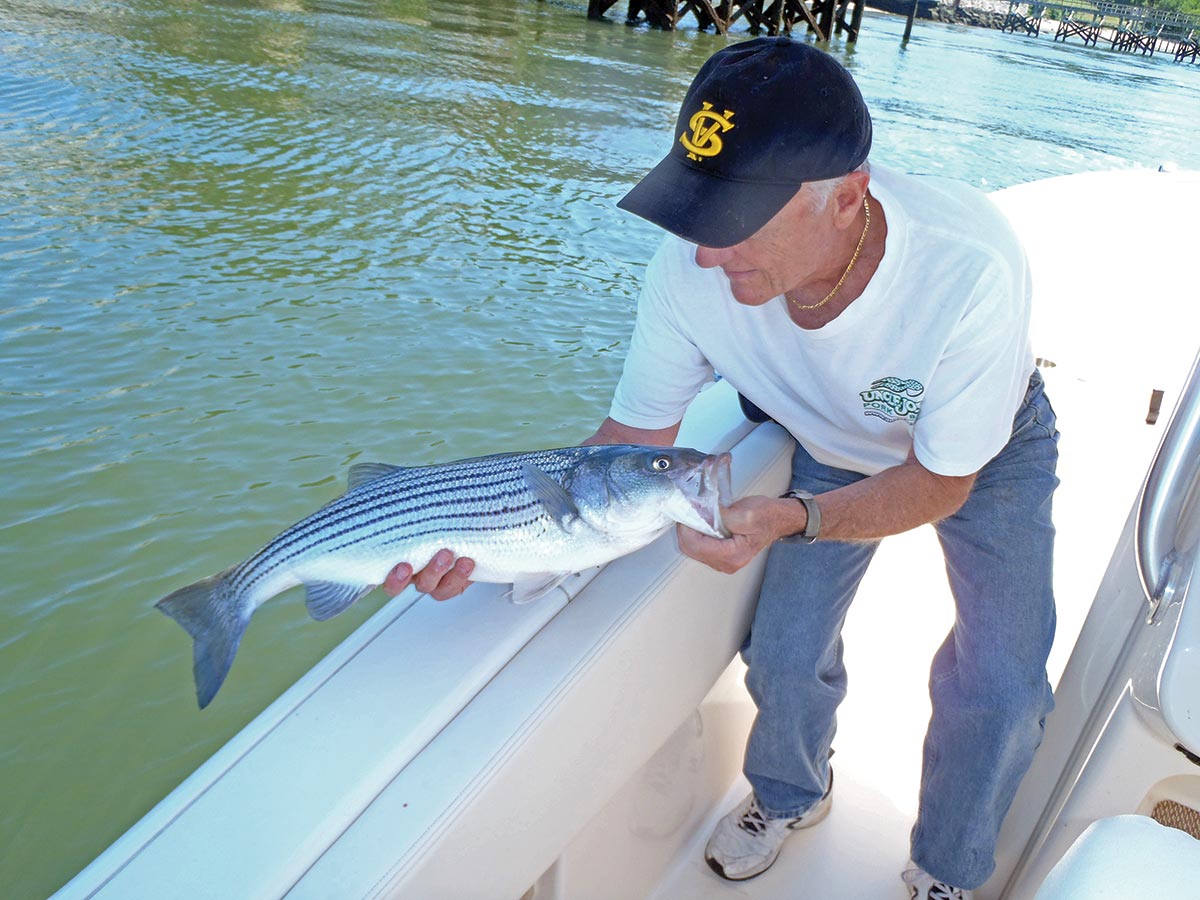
(708, 488)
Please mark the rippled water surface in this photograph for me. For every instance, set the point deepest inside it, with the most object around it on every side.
(243, 244)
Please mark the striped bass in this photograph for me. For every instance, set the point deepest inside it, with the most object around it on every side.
(527, 518)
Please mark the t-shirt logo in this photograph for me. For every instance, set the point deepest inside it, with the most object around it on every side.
(704, 139)
(893, 398)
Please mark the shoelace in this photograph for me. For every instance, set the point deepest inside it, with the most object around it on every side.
(752, 820)
(937, 891)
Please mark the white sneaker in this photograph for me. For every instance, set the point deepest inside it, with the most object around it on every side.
(746, 843)
(923, 886)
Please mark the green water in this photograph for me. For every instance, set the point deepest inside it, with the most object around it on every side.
(244, 244)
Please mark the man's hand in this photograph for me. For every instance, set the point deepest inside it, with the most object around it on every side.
(886, 503)
(754, 524)
(443, 578)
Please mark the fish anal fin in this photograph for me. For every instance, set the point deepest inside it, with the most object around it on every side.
(533, 587)
(325, 599)
(553, 497)
(365, 473)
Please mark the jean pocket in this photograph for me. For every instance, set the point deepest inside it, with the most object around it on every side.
(1036, 415)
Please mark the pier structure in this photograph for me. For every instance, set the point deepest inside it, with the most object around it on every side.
(1131, 29)
(822, 17)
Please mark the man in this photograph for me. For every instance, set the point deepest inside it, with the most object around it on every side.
(883, 320)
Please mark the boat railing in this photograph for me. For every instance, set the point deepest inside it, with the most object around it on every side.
(1123, 737)
(1171, 481)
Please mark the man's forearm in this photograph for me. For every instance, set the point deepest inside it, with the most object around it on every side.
(890, 502)
(613, 432)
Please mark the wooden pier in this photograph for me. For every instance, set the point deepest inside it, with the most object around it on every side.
(1125, 28)
(825, 18)
(1129, 29)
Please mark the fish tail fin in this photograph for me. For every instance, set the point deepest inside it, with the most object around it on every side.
(216, 619)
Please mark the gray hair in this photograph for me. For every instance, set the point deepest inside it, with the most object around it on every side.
(821, 191)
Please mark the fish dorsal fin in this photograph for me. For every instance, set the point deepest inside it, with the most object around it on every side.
(365, 473)
(326, 599)
(554, 499)
(531, 587)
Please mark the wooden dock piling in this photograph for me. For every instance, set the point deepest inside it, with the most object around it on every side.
(1089, 32)
(1125, 28)
(822, 17)
(1030, 21)
(908, 23)
(1129, 29)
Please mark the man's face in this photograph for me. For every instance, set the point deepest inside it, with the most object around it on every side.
(790, 250)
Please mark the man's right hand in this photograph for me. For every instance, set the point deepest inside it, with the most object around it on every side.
(444, 577)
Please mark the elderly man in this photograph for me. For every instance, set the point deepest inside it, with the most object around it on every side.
(882, 319)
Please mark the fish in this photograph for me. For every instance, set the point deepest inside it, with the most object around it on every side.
(530, 519)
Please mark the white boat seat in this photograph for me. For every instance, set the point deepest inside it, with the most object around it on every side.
(1126, 858)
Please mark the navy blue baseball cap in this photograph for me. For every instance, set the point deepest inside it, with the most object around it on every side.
(761, 118)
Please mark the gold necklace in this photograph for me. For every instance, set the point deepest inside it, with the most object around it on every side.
(850, 265)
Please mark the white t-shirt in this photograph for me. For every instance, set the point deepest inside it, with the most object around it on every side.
(933, 356)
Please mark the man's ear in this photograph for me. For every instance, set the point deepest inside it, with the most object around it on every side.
(848, 196)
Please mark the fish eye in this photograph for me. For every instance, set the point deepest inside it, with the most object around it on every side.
(661, 463)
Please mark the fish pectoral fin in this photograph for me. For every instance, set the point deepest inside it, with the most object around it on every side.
(365, 473)
(553, 497)
(325, 599)
(531, 587)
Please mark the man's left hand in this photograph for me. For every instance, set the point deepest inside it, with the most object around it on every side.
(754, 524)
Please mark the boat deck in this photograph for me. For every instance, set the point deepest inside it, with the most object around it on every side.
(900, 616)
(890, 640)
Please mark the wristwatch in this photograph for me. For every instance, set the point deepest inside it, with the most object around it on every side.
(813, 526)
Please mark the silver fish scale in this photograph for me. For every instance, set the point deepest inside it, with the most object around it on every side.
(487, 498)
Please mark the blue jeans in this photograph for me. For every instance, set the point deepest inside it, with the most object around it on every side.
(988, 681)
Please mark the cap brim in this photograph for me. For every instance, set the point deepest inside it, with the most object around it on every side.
(701, 208)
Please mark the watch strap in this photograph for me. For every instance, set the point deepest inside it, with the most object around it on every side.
(812, 527)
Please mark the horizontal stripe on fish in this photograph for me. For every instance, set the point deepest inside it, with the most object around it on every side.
(331, 521)
(328, 541)
(322, 523)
